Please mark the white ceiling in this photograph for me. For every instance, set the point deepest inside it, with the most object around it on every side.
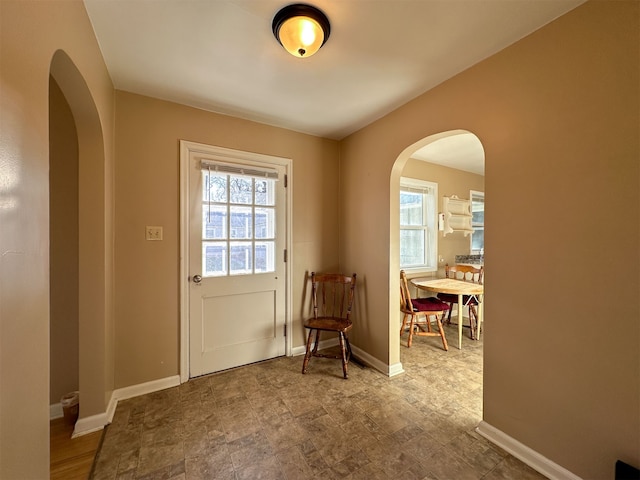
(221, 56)
(462, 151)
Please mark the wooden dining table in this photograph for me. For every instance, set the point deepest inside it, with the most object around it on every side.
(456, 287)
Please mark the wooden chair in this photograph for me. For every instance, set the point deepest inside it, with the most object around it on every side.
(420, 310)
(467, 273)
(332, 299)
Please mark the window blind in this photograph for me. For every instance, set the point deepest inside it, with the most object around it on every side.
(422, 190)
(245, 170)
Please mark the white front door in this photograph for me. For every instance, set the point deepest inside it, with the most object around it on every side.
(236, 265)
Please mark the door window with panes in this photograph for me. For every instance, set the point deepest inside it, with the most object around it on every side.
(238, 224)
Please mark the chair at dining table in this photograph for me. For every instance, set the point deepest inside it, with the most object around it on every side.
(467, 273)
(421, 312)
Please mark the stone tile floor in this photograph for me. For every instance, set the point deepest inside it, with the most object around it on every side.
(268, 421)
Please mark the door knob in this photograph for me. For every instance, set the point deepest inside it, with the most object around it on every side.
(197, 279)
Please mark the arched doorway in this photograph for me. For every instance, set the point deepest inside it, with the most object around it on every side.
(63, 249)
(93, 245)
(452, 154)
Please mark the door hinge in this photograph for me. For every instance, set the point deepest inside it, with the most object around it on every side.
(285, 181)
(285, 329)
(285, 255)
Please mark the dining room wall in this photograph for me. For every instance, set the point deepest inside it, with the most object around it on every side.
(451, 181)
(558, 116)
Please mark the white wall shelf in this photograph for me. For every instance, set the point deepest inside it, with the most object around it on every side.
(457, 215)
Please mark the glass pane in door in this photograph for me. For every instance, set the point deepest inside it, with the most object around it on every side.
(238, 224)
(214, 259)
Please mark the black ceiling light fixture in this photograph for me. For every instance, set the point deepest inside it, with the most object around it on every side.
(301, 29)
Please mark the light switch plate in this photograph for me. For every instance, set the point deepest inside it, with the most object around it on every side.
(153, 233)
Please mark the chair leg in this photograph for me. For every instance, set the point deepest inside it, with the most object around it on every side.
(473, 321)
(348, 344)
(307, 354)
(404, 324)
(441, 330)
(343, 350)
(315, 345)
(449, 315)
(411, 326)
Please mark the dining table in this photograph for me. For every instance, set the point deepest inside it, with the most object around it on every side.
(460, 288)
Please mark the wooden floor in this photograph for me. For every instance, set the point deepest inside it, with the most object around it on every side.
(71, 459)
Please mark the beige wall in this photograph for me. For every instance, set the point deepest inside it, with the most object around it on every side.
(30, 34)
(63, 241)
(450, 181)
(557, 114)
(148, 132)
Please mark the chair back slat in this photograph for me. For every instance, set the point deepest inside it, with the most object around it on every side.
(332, 294)
(468, 273)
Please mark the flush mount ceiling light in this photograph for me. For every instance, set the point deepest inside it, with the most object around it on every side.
(301, 29)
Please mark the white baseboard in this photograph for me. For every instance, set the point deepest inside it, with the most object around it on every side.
(97, 422)
(373, 362)
(90, 424)
(361, 355)
(147, 387)
(396, 369)
(532, 458)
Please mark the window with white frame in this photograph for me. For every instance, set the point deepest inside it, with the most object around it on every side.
(477, 221)
(418, 225)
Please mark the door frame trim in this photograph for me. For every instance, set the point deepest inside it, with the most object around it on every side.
(236, 156)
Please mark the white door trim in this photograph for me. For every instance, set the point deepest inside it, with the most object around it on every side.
(186, 149)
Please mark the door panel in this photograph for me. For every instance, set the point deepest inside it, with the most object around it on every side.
(229, 334)
(250, 340)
